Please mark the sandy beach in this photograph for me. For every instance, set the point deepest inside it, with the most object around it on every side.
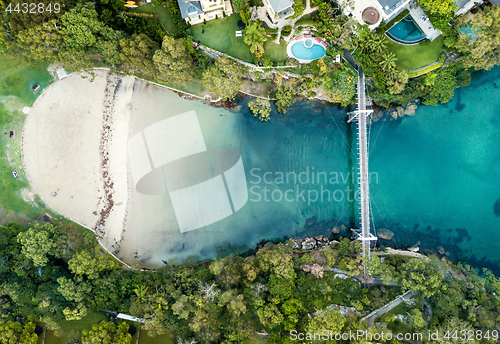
(70, 132)
(75, 155)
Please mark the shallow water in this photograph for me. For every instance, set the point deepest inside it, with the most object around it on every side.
(281, 158)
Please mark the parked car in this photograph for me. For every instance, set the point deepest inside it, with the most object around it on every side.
(15, 174)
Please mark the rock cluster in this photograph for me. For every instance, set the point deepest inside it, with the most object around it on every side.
(345, 310)
(310, 243)
(315, 269)
(386, 234)
(400, 111)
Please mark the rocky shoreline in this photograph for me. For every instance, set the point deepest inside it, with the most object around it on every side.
(394, 112)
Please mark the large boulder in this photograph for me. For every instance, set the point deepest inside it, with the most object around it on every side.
(410, 109)
(386, 234)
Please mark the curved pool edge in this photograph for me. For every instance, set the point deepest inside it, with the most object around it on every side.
(290, 54)
(397, 40)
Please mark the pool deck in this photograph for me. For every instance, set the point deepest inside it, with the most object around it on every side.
(315, 40)
(418, 16)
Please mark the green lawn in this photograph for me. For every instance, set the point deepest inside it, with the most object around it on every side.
(164, 14)
(220, 35)
(83, 324)
(418, 55)
(163, 339)
(16, 79)
(275, 52)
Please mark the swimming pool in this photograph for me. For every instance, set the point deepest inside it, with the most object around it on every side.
(306, 50)
(406, 31)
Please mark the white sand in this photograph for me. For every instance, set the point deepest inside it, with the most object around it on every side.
(61, 148)
(75, 143)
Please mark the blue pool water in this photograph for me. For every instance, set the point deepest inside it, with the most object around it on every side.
(301, 51)
(406, 31)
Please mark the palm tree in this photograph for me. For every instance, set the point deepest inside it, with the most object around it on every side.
(255, 36)
(379, 44)
(141, 292)
(389, 61)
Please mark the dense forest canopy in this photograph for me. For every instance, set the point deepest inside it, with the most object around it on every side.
(52, 273)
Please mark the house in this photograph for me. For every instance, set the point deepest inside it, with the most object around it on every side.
(372, 12)
(197, 11)
(278, 9)
(464, 6)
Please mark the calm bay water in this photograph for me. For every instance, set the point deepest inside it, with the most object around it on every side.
(435, 175)
(439, 174)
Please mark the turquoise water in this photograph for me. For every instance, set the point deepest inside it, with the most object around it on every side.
(406, 31)
(439, 174)
(434, 176)
(301, 51)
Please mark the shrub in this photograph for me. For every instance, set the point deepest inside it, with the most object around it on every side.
(286, 30)
(305, 22)
(238, 5)
(274, 36)
(298, 8)
(180, 23)
(270, 30)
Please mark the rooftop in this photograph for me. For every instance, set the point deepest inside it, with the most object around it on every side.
(390, 5)
(280, 5)
(190, 8)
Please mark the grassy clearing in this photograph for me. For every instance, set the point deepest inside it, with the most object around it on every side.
(16, 80)
(83, 324)
(192, 86)
(275, 52)
(418, 55)
(219, 34)
(163, 339)
(255, 340)
(164, 14)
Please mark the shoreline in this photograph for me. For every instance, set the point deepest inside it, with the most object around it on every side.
(115, 234)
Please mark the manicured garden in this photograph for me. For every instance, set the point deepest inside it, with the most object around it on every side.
(219, 34)
(275, 52)
(164, 14)
(418, 55)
